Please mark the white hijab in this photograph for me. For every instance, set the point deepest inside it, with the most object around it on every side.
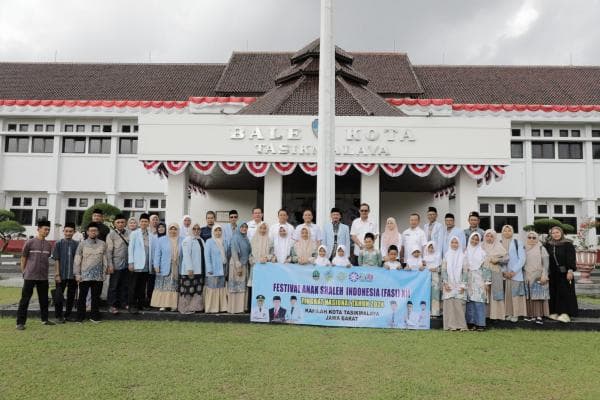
(475, 254)
(412, 262)
(183, 230)
(454, 263)
(282, 246)
(432, 259)
(322, 261)
(340, 261)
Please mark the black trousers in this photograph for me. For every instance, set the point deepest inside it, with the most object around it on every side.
(137, 289)
(117, 288)
(26, 293)
(96, 288)
(59, 298)
(150, 287)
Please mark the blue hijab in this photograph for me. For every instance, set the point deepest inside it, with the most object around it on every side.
(241, 245)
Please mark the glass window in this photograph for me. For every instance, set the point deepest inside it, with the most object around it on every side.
(99, 146)
(50, 128)
(516, 150)
(570, 151)
(38, 128)
(535, 132)
(72, 202)
(558, 209)
(41, 214)
(511, 209)
(499, 208)
(80, 128)
(127, 203)
(23, 216)
(484, 208)
(484, 222)
(542, 209)
(83, 202)
(135, 128)
(596, 133)
(12, 127)
(575, 133)
(128, 145)
(563, 133)
(74, 145)
(42, 145)
(570, 209)
(23, 127)
(98, 201)
(16, 144)
(126, 128)
(16, 201)
(27, 201)
(543, 150)
(516, 132)
(139, 203)
(74, 217)
(163, 204)
(106, 128)
(153, 203)
(568, 220)
(596, 151)
(501, 220)
(68, 128)
(547, 132)
(95, 128)
(42, 201)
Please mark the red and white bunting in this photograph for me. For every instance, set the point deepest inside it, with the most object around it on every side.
(421, 170)
(204, 167)
(366, 169)
(285, 168)
(258, 169)
(448, 170)
(231, 167)
(309, 168)
(342, 169)
(175, 167)
(151, 165)
(476, 171)
(393, 170)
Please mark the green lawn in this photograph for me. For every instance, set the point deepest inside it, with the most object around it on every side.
(588, 300)
(11, 295)
(168, 360)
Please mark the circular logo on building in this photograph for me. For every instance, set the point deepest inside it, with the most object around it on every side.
(315, 126)
(316, 275)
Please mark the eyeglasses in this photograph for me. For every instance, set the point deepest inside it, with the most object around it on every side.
(531, 237)
(233, 216)
(364, 210)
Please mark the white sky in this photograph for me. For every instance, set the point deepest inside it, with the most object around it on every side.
(431, 32)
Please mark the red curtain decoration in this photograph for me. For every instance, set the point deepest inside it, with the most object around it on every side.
(447, 170)
(309, 168)
(421, 170)
(175, 167)
(258, 169)
(285, 168)
(151, 165)
(231, 167)
(342, 169)
(204, 167)
(476, 171)
(366, 169)
(393, 170)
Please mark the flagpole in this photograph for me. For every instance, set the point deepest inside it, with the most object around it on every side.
(326, 130)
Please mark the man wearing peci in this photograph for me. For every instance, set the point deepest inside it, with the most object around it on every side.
(335, 233)
(277, 313)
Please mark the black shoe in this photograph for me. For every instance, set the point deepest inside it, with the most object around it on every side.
(60, 320)
(20, 327)
(133, 310)
(48, 323)
(71, 319)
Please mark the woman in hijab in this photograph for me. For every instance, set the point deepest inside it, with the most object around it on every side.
(495, 255)
(454, 282)
(322, 260)
(132, 224)
(190, 273)
(536, 279)
(478, 279)
(215, 294)
(341, 257)
(514, 290)
(433, 263)
(563, 301)
(167, 260)
(282, 246)
(414, 261)
(304, 251)
(390, 236)
(261, 252)
(239, 264)
(186, 226)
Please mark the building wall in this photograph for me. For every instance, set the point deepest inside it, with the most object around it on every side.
(222, 201)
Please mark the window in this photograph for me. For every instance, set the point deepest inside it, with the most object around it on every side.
(153, 203)
(547, 132)
(16, 201)
(596, 133)
(503, 214)
(511, 208)
(516, 149)
(98, 201)
(570, 151)
(95, 128)
(12, 127)
(83, 203)
(23, 127)
(38, 128)
(163, 203)
(80, 128)
(139, 203)
(16, 144)
(72, 202)
(41, 214)
(563, 133)
(50, 128)
(128, 145)
(135, 128)
(42, 202)
(127, 203)
(99, 146)
(596, 151)
(74, 145)
(106, 128)
(535, 132)
(569, 209)
(68, 128)
(126, 128)
(516, 132)
(542, 209)
(27, 201)
(543, 150)
(499, 208)
(558, 209)
(575, 133)
(74, 216)
(42, 145)
(24, 217)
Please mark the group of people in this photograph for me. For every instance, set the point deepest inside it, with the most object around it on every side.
(192, 268)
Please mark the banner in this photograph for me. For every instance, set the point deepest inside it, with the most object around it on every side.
(338, 296)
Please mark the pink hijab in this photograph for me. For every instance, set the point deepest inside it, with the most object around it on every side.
(390, 236)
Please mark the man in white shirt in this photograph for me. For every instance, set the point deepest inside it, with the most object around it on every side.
(259, 312)
(315, 231)
(282, 221)
(413, 236)
(294, 313)
(257, 216)
(434, 230)
(361, 226)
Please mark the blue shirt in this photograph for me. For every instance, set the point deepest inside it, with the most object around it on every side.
(64, 253)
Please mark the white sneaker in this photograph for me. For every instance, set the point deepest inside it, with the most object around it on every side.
(553, 316)
(564, 318)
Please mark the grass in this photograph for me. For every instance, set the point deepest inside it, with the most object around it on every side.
(148, 360)
(588, 300)
(11, 295)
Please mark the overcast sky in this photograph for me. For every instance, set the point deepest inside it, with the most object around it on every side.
(431, 32)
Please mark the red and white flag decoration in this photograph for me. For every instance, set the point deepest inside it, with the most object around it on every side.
(448, 170)
(231, 167)
(175, 167)
(258, 169)
(421, 170)
(499, 171)
(476, 171)
(342, 169)
(309, 168)
(393, 170)
(204, 167)
(285, 168)
(151, 165)
(366, 169)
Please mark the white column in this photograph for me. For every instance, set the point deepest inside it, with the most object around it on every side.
(111, 192)
(273, 195)
(588, 203)
(370, 194)
(326, 140)
(466, 197)
(2, 193)
(177, 197)
(528, 201)
(55, 214)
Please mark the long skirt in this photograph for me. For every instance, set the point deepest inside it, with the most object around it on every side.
(454, 314)
(562, 295)
(165, 294)
(476, 313)
(190, 294)
(435, 294)
(236, 302)
(215, 294)
(537, 308)
(514, 299)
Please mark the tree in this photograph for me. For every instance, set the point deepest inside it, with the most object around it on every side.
(9, 228)
(109, 211)
(543, 225)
